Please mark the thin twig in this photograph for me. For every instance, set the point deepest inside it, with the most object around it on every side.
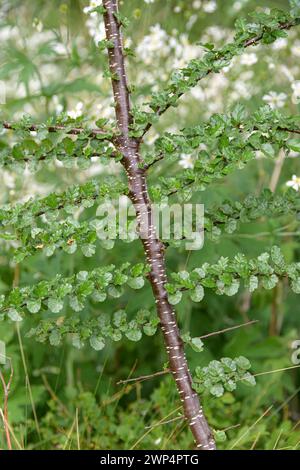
(276, 370)
(165, 422)
(144, 377)
(225, 330)
(10, 430)
(6, 390)
(166, 371)
(149, 430)
(27, 380)
(54, 396)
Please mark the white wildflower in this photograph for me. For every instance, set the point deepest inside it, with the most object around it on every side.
(237, 6)
(8, 179)
(57, 104)
(210, 7)
(38, 25)
(96, 28)
(294, 183)
(77, 112)
(295, 49)
(197, 4)
(275, 100)
(186, 161)
(93, 4)
(249, 59)
(296, 92)
(192, 20)
(59, 48)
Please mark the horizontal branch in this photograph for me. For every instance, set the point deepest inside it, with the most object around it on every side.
(227, 216)
(56, 128)
(22, 215)
(238, 124)
(226, 276)
(31, 151)
(71, 235)
(95, 284)
(223, 144)
(96, 330)
(266, 30)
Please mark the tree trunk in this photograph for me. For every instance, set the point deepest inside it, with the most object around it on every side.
(153, 247)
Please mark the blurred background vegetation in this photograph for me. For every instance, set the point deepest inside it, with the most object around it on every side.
(65, 398)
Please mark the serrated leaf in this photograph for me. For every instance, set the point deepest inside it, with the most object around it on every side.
(14, 315)
(55, 337)
(97, 342)
(136, 282)
(175, 298)
(133, 334)
(217, 390)
(196, 344)
(55, 305)
(34, 306)
(197, 294)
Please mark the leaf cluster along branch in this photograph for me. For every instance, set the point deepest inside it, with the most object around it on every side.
(223, 144)
(265, 28)
(70, 234)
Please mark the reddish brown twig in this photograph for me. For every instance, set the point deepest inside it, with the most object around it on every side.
(144, 377)
(6, 390)
(225, 330)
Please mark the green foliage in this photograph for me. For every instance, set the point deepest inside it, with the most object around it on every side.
(221, 376)
(51, 294)
(230, 142)
(264, 28)
(63, 139)
(23, 215)
(96, 330)
(63, 309)
(225, 276)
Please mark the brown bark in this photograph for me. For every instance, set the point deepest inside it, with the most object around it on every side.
(153, 247)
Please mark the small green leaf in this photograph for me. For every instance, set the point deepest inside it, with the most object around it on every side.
(197, 294)
(220, 436)
(243, 363)
(55, 337)
(55, 305)
(34, 306)
(134, 334)
(97, 342)
(115, 292)
(294, 144)
(175, 298)
(249, 379)
(88, 250)
(196, 344)
(217, 390)
(14, 315)
(136, 282)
